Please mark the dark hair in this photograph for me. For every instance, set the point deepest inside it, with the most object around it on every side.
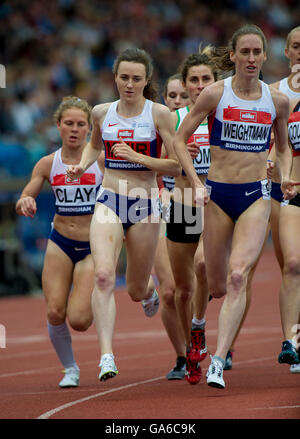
(196, 59)
(221, 55)
(142, 57)
(169, 79)
(72, 102)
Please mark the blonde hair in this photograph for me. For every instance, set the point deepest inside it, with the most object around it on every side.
(72, 102)
(290, 34)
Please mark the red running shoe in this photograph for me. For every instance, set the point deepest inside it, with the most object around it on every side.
(193, 372)
(198, 349)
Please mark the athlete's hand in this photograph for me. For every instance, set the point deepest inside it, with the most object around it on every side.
(27, 206)
(193, 149)
(201, 195)
(124, 151)
(74, 171)
(288, 188)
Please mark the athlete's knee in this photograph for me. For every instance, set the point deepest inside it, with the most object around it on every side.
(56, 315)
(237, 279)
(138, 290)
(217, 292)
(80, 322)
(292, 267)
(168, 297)
(104, 278)
(184, 293)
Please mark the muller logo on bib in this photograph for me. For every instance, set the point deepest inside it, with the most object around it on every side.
(126, 134)
(248, 116)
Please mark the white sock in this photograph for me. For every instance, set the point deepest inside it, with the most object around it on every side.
(61, 340)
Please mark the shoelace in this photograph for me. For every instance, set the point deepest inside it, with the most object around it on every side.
(106, 362)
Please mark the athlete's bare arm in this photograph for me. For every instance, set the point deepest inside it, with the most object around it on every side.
(26, 205)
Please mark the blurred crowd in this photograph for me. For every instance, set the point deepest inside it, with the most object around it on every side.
(55, 48)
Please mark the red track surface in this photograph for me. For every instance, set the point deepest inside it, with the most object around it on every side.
(256, 388)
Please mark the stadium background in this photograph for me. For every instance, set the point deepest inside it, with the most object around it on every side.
(51, 49)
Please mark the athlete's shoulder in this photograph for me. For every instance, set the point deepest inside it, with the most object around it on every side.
(275, 85)
(100, 110)
(160, 108)
(43, 165)
(211, 96)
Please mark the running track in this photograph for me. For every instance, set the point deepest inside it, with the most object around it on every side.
(256, 388)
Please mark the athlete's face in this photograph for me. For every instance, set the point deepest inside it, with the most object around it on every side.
(177, 96)
(292, 52)
(197, 79)
(249, 55)
(131, 80)
(73, 127)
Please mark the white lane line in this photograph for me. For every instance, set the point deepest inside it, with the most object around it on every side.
(279, 407)
(52, 412)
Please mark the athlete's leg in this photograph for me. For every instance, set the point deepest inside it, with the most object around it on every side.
(290, 289)
(79, 309)
(106, 239)
(166, 280)
(182, 262)
(141, 241)
(249, 288)
(274, 222)
(201, 294)
(56, 282)
(244, 253)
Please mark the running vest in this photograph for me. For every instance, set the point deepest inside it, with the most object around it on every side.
(284, 88)
(76, 197)
(294, 130)
(202, 161)
(138, 132)
(241, 125)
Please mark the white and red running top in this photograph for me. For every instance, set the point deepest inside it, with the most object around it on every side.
(76, 197)
(138, 132)
(242, 125)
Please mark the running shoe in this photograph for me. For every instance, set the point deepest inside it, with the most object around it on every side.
(193, 371)
(71, 378)
(198, 349)
(295, 368)
(214, 375)
(178, 372)
(150, 306)
(108, 367)
(288, 353)
(228, 361)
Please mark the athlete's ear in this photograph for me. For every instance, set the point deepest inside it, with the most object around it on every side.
(232, 56)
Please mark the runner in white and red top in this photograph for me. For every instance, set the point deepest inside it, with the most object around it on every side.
(68, 262)
(241, 110)
(131, 130)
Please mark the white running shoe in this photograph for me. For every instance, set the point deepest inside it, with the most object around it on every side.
(150, 306)
(214, 375)
(295, 368)
(71, 378)
(108, 367)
